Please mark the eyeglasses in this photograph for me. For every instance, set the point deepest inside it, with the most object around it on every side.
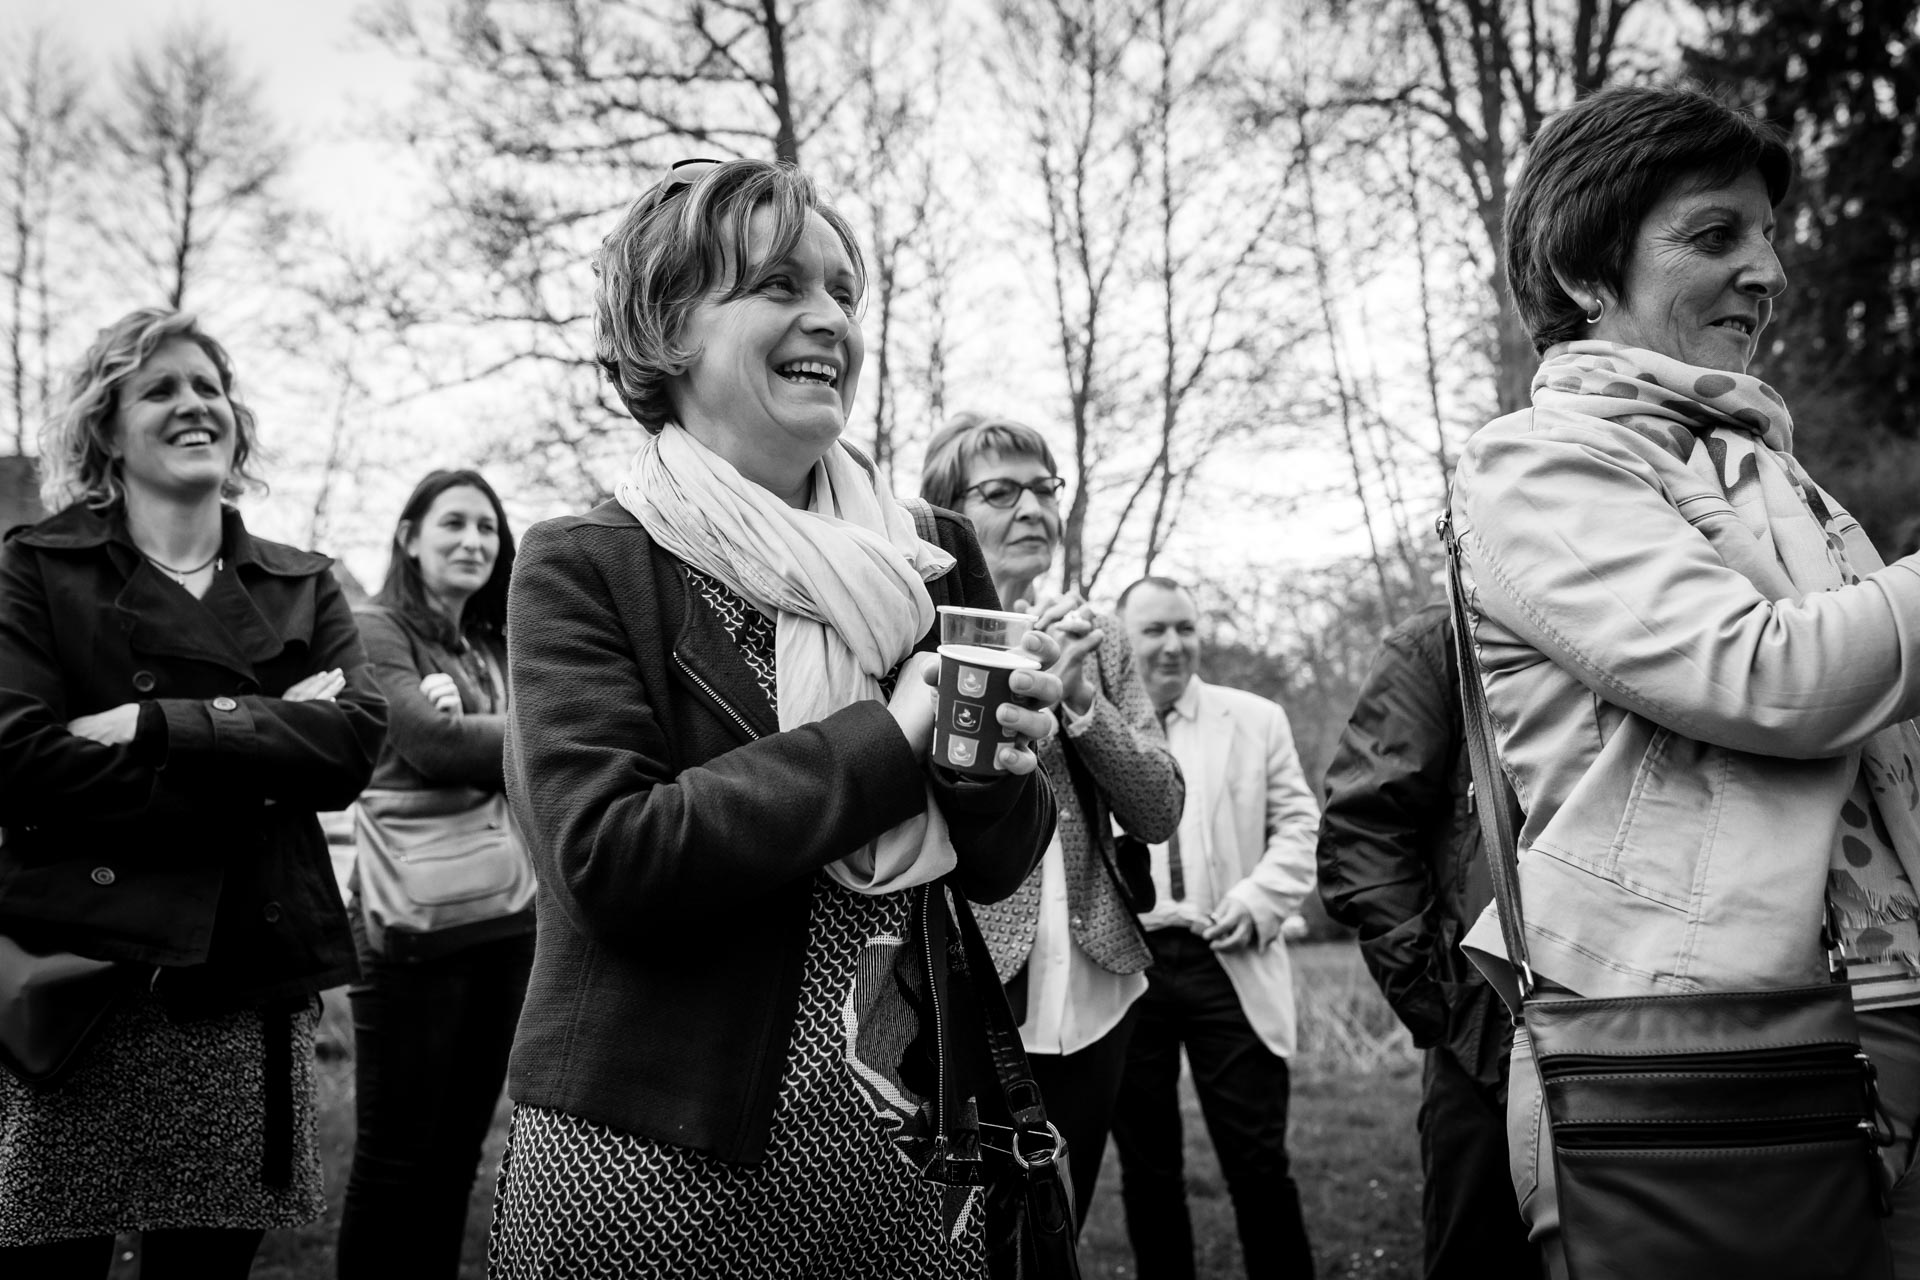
(1002, 492)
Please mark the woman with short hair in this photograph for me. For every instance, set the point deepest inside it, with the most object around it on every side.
(718, 751)
(1067, 943)
(1703, 675)
(177, 699)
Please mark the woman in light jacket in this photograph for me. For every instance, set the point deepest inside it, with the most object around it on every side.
(1704, 676)
(1067, 943)
(434, 1012)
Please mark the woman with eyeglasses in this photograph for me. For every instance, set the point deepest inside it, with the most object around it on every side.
(718, 751)
(1067, 943)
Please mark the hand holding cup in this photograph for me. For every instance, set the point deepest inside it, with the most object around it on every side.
(996, 697)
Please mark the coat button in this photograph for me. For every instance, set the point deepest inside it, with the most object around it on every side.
(144, 681)
(271, 913)
(102, 875)
(224, 704)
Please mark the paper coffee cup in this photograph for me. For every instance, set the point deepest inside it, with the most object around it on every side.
(966, 722)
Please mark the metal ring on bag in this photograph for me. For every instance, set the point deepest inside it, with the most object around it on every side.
(1041, 1159)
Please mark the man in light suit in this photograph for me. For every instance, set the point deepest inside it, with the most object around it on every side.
(1220, 984)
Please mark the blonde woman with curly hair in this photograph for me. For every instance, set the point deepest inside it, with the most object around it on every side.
(177, 699)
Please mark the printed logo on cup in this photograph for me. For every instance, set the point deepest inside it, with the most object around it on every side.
(967, 716)
(961, 752)
(971, 682)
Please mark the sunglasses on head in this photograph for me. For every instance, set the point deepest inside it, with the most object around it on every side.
(1002, 492)
(682, 175)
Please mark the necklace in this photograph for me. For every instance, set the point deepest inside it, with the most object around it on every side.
(214, 562)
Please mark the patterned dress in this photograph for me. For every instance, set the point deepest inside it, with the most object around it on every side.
(159, 1125)
(834, 1198)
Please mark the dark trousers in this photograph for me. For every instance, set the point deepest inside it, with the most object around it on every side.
(1473, 1224)
(1243, 1089)
(191, 1253)
(1080, 1090)
(430, 1042)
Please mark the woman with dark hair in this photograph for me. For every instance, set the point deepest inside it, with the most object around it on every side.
(1067, 943)
(1703, 675)
(434, 1011)
(719, 752)
(177, 699)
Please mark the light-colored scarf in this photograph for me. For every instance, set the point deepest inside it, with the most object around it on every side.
(1735, 430)
(845, 581)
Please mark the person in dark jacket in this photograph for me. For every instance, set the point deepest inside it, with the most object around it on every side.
(177, 699)
(1401, 861)
(434, 1012)
(718, 751)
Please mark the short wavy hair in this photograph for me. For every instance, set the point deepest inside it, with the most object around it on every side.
(678, 243)
(77, 459)
(406, 591)
(1595, 171)
(966, 437)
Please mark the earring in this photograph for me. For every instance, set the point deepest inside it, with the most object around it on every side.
(1599, 309)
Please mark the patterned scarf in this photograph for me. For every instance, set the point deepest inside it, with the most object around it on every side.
(1735, 430)
(845, 580)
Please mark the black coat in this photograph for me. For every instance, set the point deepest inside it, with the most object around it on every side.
(677, 831)
(195, 846)
(1400, 850)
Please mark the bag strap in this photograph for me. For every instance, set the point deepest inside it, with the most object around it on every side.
(1018, 1090)
(1487, 795)
(923, 522)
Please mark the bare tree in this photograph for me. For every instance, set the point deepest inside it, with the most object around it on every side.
(190, 158)
(541, 121)
(1063, 76)
(1488, 72)
(887, 173)
(42, 137)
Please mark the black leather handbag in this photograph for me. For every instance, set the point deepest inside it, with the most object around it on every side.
(1717, 1136)
(1015, 1155)
(51, 1005)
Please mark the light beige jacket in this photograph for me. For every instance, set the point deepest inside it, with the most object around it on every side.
(1680, 738)
(1252, 819)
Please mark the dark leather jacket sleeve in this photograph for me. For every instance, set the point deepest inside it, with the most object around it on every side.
(1389, 813)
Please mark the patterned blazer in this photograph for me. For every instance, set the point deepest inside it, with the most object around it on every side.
(1136, 781)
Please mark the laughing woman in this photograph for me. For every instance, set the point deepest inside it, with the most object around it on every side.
(719, 753)
(177, 698)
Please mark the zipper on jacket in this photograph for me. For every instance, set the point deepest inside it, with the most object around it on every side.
(929, 904)
(714, 697)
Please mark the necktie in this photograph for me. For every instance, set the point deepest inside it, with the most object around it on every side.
(1176, 874)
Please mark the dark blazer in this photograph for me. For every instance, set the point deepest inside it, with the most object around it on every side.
(195, 846)
(677, 832)
(1400, 853)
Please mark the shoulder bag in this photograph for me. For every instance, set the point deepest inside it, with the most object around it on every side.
(439, 868)
(1718, 1135)
(1004, 1144)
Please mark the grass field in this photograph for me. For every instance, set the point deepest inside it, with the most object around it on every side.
(1356, 1088)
